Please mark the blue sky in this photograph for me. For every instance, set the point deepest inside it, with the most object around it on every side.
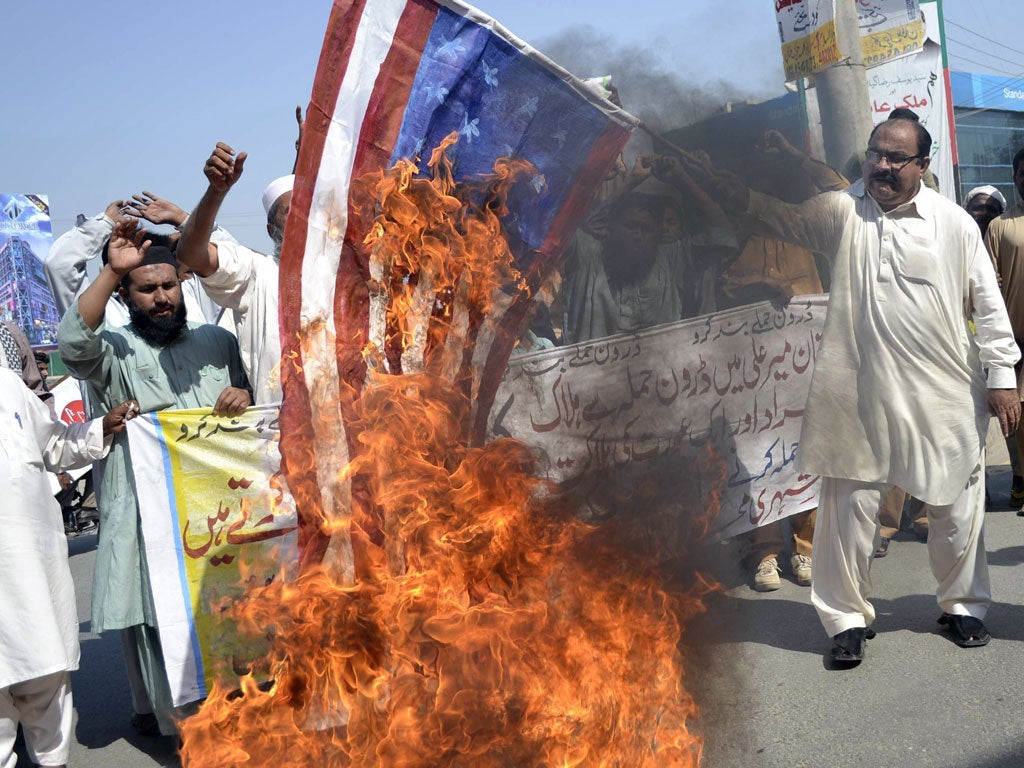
(102, 100)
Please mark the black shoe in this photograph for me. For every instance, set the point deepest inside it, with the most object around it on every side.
(883, 548)
(1017, 492)
(848, 645)
(967, 631)
(145, 725)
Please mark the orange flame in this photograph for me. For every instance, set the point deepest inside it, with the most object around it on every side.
(481, 624)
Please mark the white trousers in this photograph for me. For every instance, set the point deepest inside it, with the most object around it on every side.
(43, 707)
(844, 545)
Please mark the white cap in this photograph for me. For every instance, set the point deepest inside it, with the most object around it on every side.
(275, 189)
(986, 190)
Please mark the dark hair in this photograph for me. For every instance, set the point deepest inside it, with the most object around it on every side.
(42, 357)
(158, 253)
(1018, 158)
(924, 139)
(156, 238)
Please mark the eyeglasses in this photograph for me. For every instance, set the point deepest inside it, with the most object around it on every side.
(896, 161)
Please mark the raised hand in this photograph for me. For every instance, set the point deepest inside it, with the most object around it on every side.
(774, 144)
(668, 169)
(115, 211)
(155, 209)
(643, 168)
(302, 126)
(224, 167)
(127, 247)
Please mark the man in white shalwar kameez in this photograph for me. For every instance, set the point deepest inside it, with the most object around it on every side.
(38, 613)
(902, 391)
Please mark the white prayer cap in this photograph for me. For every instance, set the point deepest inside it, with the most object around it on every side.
(275, 189)
(986, 190)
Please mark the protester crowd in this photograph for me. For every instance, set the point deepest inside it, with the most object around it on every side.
(189, 320)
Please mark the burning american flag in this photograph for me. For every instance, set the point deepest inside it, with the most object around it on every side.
(444, 615)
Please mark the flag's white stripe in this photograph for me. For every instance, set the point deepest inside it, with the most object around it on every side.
(328, 220)
(328, 214)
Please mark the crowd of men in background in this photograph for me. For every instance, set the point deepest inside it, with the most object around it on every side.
(672, 238)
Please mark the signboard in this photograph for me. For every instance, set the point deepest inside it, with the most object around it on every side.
(889, 29)
(987, 91)
(736, 381)
(916, 82)
(25, 238)
(807, 29)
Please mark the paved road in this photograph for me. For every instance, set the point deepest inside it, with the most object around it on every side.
(757, 666)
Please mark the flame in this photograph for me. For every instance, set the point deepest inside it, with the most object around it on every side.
(482, 622)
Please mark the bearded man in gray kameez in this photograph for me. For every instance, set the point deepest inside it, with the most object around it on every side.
(903, 389)
(161, 361)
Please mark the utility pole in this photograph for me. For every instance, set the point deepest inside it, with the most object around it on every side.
(843, 92)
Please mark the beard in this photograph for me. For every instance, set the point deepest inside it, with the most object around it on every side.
(277, 236)
(158, 331)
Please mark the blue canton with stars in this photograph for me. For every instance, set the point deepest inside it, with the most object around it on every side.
(501, 103)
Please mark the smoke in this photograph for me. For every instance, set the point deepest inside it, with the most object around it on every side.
(648, 83)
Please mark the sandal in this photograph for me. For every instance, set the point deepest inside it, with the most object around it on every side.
(967, 631)
(848, 645)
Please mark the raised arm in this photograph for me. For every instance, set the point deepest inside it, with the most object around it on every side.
(222, 169)
(66, 260)
(813, 224)
(298, 141)
(824, 177)
(124, 254)
(672, 170)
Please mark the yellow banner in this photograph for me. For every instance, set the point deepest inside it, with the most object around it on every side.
(217, 519)
(810, 54)
(892, 43)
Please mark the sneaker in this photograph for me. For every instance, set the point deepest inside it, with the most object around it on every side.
(801, 569)
(766, 578)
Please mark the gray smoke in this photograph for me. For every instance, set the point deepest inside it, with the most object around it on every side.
(649, 85)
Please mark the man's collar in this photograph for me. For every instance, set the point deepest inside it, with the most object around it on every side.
(921, 205)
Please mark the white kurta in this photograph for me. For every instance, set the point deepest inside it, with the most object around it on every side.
(38, 615)
(246, 283)
(898, 394)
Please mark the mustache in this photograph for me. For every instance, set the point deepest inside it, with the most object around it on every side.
(883, 176)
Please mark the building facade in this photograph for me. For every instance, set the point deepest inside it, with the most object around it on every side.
(989, 114)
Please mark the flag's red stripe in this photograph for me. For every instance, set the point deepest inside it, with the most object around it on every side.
(378, 135)
(375, 144)
(581, 195)
(577, 202)
(297, 461)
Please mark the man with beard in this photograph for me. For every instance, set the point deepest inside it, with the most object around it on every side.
(628, 279)
(238, 278)
(984, 203)
(902, 391)
(161, 361)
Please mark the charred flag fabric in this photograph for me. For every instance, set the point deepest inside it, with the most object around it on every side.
(395, 78)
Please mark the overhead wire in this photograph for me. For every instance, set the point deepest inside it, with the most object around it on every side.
(991, 90)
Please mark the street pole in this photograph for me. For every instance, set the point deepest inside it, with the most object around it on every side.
(843, 93)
